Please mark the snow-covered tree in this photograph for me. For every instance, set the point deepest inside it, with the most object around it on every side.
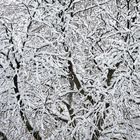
(69, 69)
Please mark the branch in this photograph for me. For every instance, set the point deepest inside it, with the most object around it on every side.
(77, 82)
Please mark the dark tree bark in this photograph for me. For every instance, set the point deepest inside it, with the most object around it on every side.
(3, 136)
